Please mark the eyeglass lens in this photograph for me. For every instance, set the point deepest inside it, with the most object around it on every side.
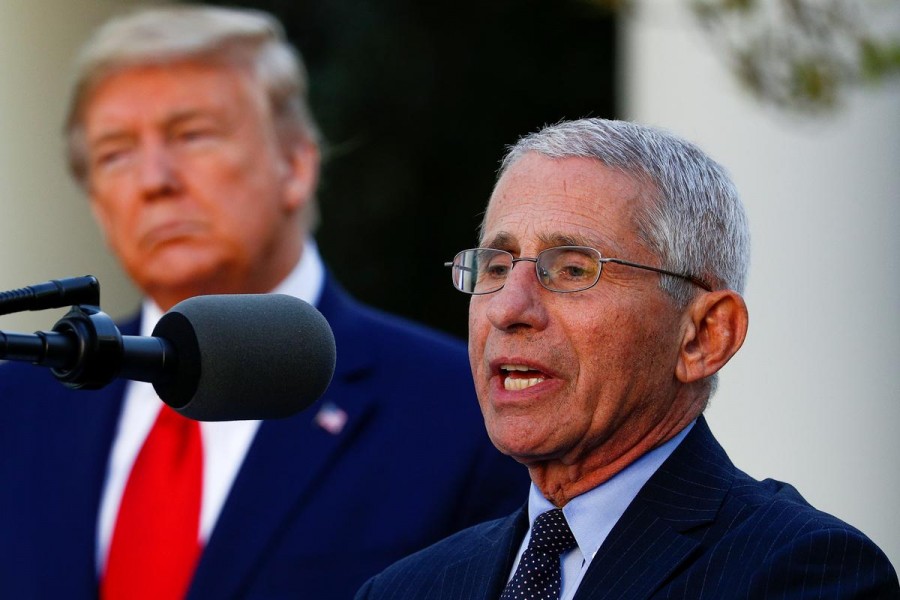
(561, 269)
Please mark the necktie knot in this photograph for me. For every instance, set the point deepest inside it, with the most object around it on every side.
(551, 534)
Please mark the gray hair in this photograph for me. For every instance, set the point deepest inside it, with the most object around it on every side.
(242, 38)
(694, 222)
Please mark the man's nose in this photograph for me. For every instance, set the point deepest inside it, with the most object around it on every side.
(519, 303)
(158, 171)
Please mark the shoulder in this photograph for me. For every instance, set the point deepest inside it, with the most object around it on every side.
(380, 326)
(775, 515)
(411, 367)
(759, 537)
(419, 575)
(767, 539)
(796, 548)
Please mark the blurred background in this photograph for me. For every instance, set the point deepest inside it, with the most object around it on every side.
(417, 101)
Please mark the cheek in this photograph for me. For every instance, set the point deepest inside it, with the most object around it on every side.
(249, 199)
(477, 338)
(603, 352)
(256, 163)
(109, 218)
(634, 360)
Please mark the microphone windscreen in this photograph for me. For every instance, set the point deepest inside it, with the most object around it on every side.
(245, 356)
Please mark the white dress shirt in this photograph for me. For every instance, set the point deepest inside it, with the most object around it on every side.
(225, 443)
(592, 515)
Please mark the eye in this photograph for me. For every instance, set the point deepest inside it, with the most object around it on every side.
(194, 129)
(496, 268)
(570, 264)
(194, 134)
(492, 264)
(576, 271)
(110, 156)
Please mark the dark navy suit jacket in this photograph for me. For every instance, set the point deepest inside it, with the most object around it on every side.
(311, 514)
(699, 528)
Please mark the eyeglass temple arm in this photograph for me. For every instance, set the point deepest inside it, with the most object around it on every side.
(691, 278)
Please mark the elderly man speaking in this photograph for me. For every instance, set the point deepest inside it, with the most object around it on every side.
(606, 295)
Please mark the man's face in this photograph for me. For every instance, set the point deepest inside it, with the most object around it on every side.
(189, 183)
(601, 361)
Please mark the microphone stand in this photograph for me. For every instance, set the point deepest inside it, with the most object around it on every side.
(85, 349)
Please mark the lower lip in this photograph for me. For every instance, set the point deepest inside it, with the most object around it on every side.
(170, 232)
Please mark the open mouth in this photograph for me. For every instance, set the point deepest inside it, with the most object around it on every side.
(519, 377)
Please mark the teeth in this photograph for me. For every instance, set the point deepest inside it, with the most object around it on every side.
(514, 385)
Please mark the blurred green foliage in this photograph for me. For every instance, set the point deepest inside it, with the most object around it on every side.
(804, 56)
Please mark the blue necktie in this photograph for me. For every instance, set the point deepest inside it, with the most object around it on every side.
(538, 574)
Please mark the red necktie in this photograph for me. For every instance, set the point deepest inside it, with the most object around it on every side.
(155, 544)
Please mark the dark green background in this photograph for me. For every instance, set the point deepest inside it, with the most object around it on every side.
(417, 101)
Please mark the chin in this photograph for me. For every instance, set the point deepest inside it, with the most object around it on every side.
(523, 446)
(182, 281)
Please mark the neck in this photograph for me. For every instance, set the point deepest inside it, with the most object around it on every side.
(259, 280)
(563, 479)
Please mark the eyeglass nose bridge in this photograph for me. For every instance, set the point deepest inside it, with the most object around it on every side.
(533, 259)
(537, 269)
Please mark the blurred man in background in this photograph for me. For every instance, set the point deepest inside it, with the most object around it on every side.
(189, 130)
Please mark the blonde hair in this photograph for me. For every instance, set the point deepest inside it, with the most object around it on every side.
(247, 39)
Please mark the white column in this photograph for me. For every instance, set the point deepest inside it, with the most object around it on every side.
(45, 223)
(813, 398)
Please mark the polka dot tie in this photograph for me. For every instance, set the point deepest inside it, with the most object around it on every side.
(538, 575)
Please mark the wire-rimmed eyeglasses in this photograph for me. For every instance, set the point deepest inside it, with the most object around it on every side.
(561, 269)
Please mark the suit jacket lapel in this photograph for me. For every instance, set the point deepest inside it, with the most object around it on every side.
(649, 542)
(247, 525)
(482, 575)
(80, 461)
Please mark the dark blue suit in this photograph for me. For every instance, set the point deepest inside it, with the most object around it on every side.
(699, 528)
(311, 514)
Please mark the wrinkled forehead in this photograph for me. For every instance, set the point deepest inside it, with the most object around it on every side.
(542, 202)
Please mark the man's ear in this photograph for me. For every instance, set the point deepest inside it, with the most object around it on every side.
(715, 329)
(302, 175)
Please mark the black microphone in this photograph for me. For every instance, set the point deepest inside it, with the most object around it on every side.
(211, 358)
(52, 294)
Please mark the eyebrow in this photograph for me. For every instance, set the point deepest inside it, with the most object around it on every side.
(567, 239)
(501, 240)
(504, 241)
(110, 136)
(176, 118)
(190, 114)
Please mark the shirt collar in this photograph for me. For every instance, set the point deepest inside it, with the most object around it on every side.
(592, 515)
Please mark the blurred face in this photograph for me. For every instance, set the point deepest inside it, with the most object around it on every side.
(188, 181)
(580, 379)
